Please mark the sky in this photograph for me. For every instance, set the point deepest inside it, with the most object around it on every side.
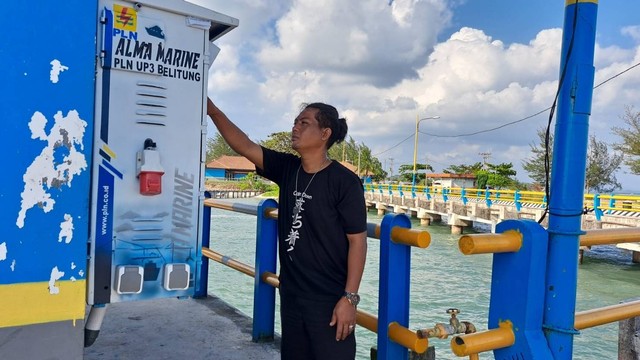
(473, 65)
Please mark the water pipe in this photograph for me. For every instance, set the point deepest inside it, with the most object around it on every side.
(455, 326)
(94, 323)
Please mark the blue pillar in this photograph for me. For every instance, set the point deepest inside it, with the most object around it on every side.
(393, 296)
(264, 295)
(517, 291)
(202, 284)
(596, 207)
(568, 174)
(487, 197)
(612, 204)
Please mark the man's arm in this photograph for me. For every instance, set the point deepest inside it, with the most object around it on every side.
(344, 314)
(236, 138)
(356, 260)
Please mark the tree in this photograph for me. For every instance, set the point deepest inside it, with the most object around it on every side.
(463, 169)
(369, 165)
(534, 165)
(482, 179)
(217, 147)
(495, 176)
(601, 167)
(406, 172)
(350, 151)
(279, 141)
(501, 175)
(630, 145)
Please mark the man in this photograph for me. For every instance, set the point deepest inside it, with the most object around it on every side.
(321, 228)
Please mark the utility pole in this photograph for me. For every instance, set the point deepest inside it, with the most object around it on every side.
(390, 167)
(485, 156)
(359, 150)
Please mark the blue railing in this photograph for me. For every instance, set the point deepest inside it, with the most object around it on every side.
(396, 240)
(602, 204)
(520, 266)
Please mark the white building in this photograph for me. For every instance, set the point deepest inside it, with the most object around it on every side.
(453, 180)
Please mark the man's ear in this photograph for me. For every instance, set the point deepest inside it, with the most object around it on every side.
(326, 134)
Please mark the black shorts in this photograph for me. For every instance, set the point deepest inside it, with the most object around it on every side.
(306, 334)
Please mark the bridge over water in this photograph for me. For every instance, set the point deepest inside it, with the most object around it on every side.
(461, 208)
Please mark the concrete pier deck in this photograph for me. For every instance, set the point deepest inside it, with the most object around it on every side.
(185, 329)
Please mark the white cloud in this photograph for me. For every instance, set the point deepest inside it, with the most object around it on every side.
(369, 39)
(632, 31)
(382, 66)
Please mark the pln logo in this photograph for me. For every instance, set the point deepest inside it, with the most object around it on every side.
(125, 18)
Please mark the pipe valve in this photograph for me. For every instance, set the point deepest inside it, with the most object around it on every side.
(455, 326)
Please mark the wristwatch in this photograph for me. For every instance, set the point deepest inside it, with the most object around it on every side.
(352, 297)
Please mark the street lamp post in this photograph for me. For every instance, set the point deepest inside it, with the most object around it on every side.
(415, 146)
(359, 149)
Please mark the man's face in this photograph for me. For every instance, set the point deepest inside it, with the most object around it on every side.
(306, 132)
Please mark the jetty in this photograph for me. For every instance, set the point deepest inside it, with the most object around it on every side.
(105, 211)
(201, 328)
(233, 194)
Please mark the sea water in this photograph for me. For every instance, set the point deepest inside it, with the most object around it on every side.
(441, 278)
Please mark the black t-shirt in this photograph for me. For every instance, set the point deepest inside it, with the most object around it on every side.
(313, 245)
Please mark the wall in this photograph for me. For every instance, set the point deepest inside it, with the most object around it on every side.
(215, 173)
(48, 62)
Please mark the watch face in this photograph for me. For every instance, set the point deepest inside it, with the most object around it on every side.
(354, 299)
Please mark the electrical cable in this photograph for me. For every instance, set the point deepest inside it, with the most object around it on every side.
(505, 124)
(547, 160)
(394, 146)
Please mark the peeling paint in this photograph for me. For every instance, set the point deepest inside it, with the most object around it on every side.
(3, 251)
(56, 69)
(73, 278)
(73, 265)
(66, 229)
(43, 174)
(13, 265)
(81, 272)
(36, 125)
(55, 275)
